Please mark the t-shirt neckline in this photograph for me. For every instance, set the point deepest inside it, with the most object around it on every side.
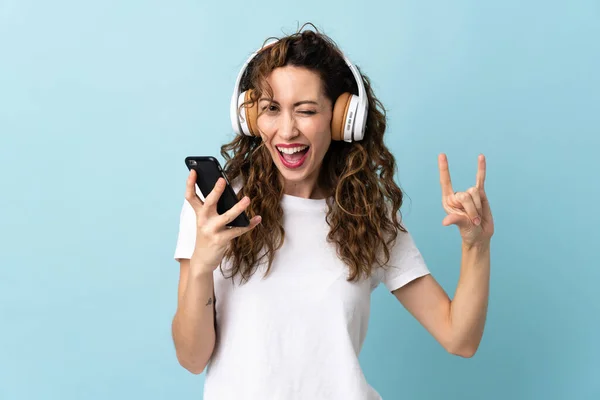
(296, 202)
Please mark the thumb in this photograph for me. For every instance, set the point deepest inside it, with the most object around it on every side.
(455, 219)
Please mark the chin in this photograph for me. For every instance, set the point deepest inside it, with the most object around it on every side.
(295, 175)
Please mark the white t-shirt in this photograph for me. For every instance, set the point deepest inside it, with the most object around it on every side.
(297, 333)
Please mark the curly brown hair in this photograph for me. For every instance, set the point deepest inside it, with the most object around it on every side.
(364, 201)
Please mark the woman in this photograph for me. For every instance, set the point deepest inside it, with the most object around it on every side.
(279, 309)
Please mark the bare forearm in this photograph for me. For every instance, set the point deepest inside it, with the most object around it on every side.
(193, 324)
(469, 307)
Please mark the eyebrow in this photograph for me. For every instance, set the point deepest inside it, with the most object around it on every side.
(296, 104)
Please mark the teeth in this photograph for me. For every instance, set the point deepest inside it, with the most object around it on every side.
(291, 150)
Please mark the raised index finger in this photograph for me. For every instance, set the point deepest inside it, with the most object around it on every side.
(480, 181)
(445, 180)
(190, 191)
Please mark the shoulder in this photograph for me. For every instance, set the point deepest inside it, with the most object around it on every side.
(405, 263)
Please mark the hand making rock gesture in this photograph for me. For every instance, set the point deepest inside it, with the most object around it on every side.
(469, 210)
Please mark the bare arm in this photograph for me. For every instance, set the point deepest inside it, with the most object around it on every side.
(193, 326)
(456, 324)
(468, 309)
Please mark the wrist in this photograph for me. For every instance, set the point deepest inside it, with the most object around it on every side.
(201, 272)
(479, 246)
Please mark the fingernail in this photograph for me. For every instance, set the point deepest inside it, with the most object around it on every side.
(477, 221)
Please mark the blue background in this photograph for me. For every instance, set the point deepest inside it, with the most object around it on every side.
(101, 101)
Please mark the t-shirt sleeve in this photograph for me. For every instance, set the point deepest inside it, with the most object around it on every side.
(406, 263)
(186, 238)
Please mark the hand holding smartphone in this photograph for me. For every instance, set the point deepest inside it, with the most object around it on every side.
(220, 217)
(208, 171)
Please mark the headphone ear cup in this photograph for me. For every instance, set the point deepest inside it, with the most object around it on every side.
(248, 114)
(340, 112)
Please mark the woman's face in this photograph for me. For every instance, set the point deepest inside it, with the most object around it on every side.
(296, 127)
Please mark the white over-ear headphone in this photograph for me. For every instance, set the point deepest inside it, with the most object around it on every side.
(349, 112)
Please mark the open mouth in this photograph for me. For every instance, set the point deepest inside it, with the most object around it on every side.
(293, 157)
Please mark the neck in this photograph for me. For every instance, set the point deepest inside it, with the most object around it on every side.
(305, 189)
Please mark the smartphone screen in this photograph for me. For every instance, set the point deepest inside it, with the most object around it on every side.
(208, 171)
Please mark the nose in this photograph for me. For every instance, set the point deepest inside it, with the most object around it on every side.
(287, 128)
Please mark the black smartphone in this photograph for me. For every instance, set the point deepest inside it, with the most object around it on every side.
(208, 171)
